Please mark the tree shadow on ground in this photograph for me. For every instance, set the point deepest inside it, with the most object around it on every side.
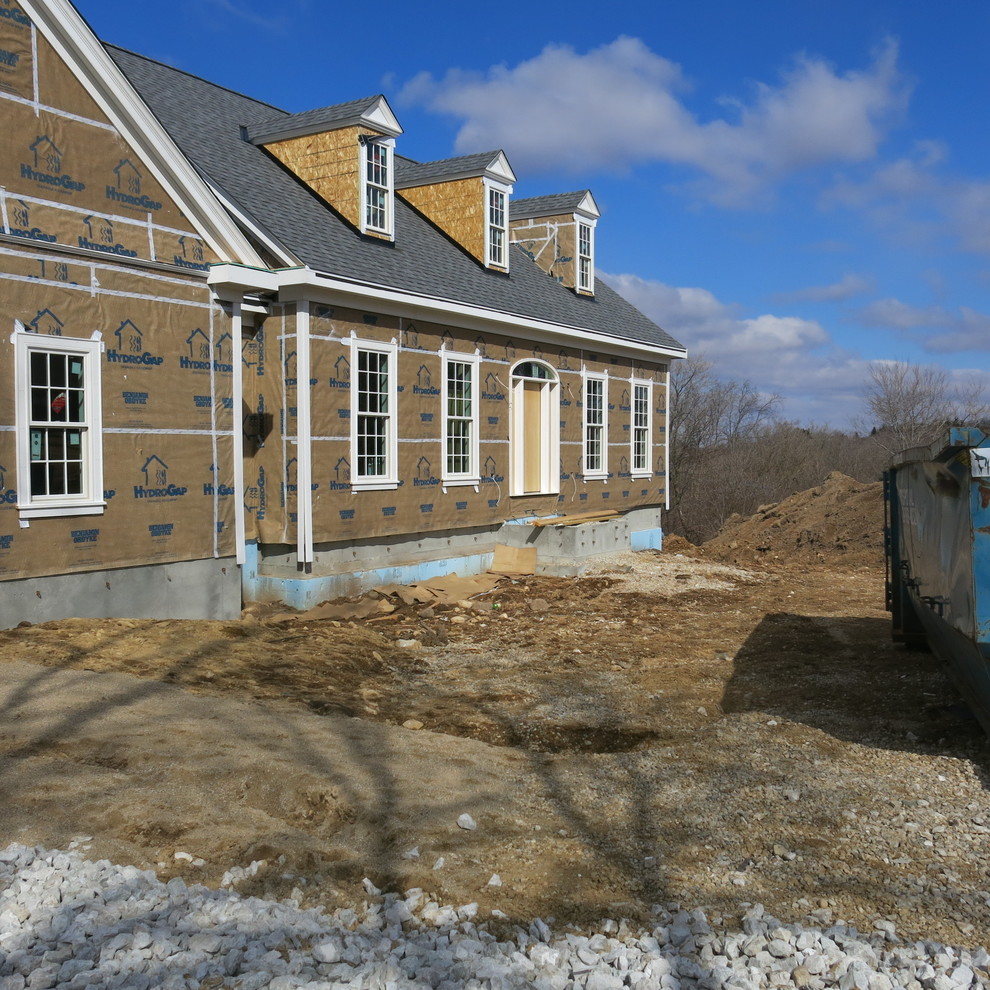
(845, 677)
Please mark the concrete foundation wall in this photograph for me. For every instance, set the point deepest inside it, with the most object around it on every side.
(342, 569)
(198, 589)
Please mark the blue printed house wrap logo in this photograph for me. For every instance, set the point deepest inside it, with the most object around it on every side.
(481, 346)
(156, 483)
(341, 481)
(127, 187)
(341, 373)
(290, 370)
(47, 168)
(55, 271)
(624, 471)
(424, 382)
(215, 487)
(410, 337)
(6, 497)
(192, 254)
(490, 390)
(19, 214)
(14, 13)
(130, 347)
(489, 472)
(253, 354)
(99, 236)
(510, 351)
(46, 322)
(424, 473)
(200, 356)
(291, 483)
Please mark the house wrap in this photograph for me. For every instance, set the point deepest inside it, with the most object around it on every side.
(247, 354)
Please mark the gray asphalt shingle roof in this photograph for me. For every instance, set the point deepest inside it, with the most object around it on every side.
(206, 121)
(409, 173)
(546, 206)
(321, 116)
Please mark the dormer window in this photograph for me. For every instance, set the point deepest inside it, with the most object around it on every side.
(586, 264)
(377, 172)
(497, 227)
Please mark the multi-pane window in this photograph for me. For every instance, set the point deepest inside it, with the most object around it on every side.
(374, 425)
(59, 463)
(496, 227)
(58, 423)
(585, 276)
(460, 419)
(640, 428)
(376, 186)
(594, 426)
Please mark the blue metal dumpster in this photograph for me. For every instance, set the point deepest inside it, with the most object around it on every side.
(937, 536)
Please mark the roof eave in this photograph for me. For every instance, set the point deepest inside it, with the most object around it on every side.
(307, 283)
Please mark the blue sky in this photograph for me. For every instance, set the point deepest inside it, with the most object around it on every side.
(792, 188)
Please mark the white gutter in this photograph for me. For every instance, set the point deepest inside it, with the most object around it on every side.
(236, 333)
(305, 283)
(304, 439)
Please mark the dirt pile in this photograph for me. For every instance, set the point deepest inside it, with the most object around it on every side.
(841, 520)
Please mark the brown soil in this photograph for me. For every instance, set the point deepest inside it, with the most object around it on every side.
(666, 728)
(841, 521)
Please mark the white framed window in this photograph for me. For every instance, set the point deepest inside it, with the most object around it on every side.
(377, 182)
(497, 225)
(59, 427)
(460, 419)
(374, 434)
(534, 412)
(586, 257)
(595, 454)
(641, 428)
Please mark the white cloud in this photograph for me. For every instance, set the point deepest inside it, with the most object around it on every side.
(793, 357)
(934, 328)
(847, 287)
(915, 201)
(620, 105)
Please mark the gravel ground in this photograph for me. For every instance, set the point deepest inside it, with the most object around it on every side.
(70, 923)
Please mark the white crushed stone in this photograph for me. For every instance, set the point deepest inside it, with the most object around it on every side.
(69, 923)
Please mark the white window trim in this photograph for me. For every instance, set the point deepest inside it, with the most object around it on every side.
(601, 473)
(391, 479)
(648, 471)
(590, 224)
(389, 228)
(505, 189)
(91, 502)
(549, 441)
(472, 477)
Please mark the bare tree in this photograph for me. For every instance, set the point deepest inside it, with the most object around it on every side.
(912, 405)
(707, 415)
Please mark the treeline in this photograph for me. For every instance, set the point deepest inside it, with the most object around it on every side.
(731, 453)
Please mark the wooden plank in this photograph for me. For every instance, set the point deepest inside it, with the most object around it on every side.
(575, 518)
(513, 560)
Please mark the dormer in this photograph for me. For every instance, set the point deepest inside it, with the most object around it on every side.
(467, 198)
(345, 154)
(558, 233)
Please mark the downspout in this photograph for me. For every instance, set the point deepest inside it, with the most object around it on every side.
(666, 444)
(304, 438)
(237, 332)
